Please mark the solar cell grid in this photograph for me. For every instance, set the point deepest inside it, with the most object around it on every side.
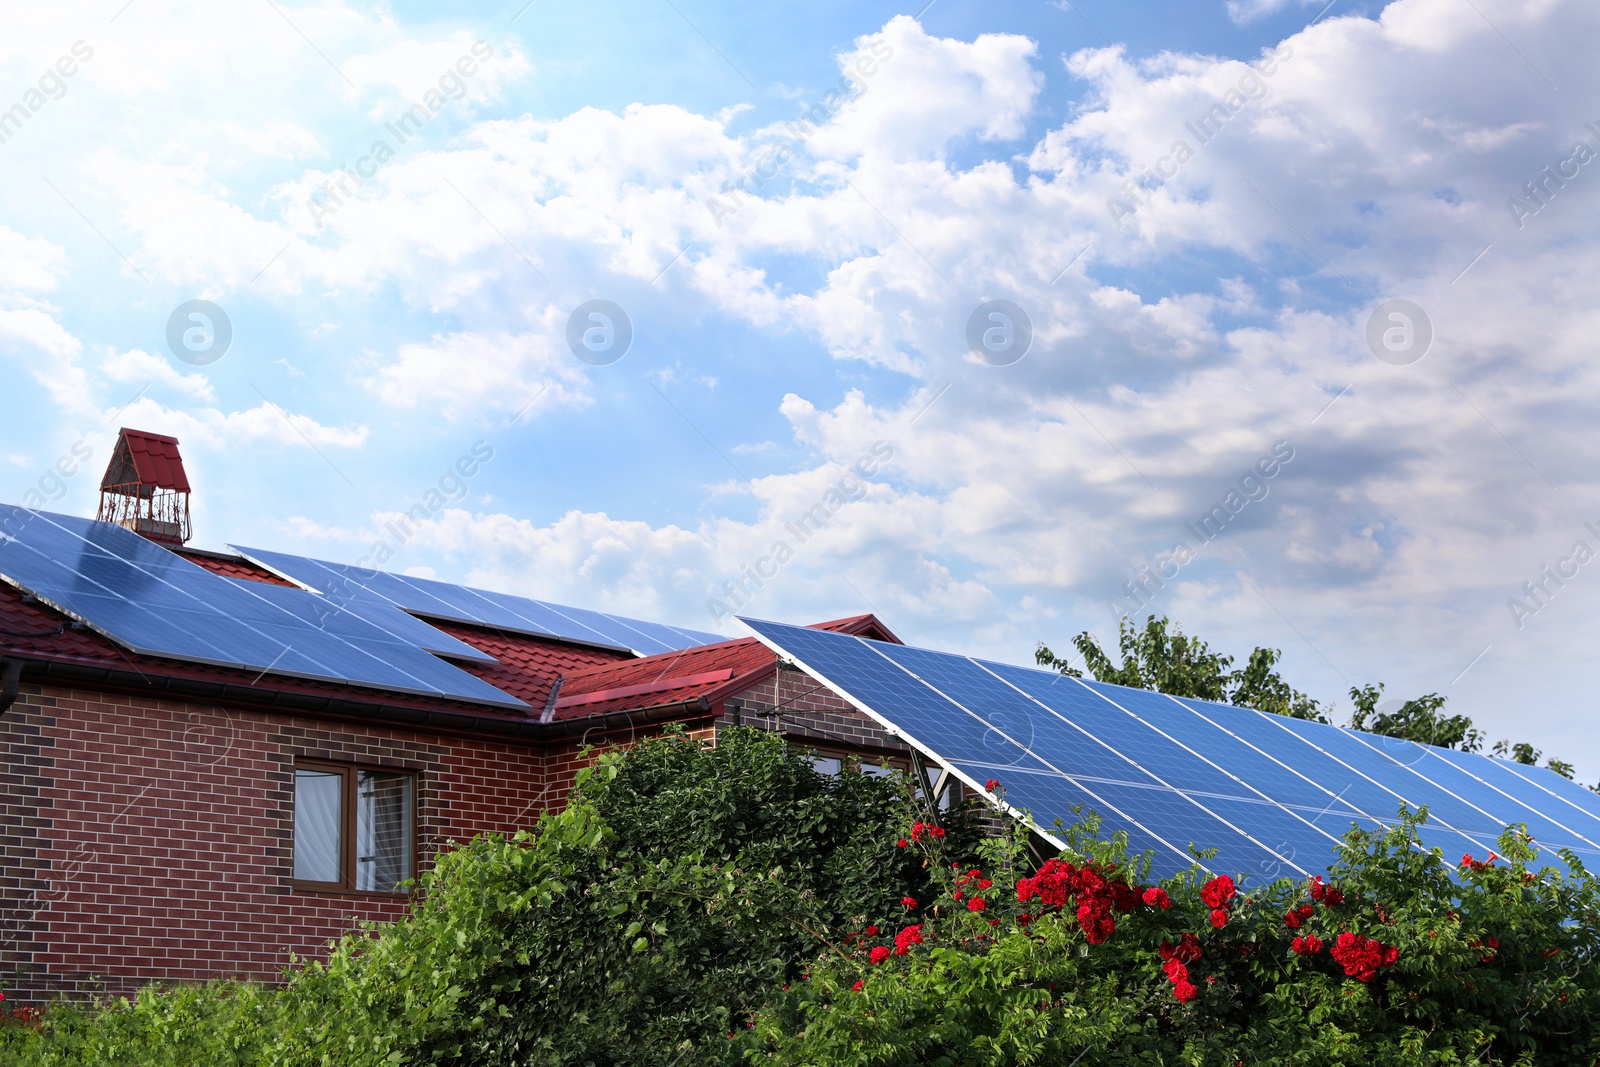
(1445, 807)
(1500, 804)
(154, 602)
(1272, 795)
(431, 598)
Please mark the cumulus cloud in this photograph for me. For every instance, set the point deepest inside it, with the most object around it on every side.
(29, 264)
(1191, 310)
(136, 367)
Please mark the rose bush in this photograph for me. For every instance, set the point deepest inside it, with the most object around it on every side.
(1397, 957)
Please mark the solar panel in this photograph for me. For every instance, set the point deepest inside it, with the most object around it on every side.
(480, 607)
(1272, 795)
(402, 627)
(156, 603)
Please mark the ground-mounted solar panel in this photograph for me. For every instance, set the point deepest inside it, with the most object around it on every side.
(1272, 795)
(429, 598)
(154, 602)
(1564, 799)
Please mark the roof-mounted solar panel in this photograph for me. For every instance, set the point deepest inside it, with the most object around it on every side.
(429, 598)
(156, 603)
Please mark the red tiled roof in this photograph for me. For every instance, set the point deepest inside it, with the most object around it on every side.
(529, 666)
(710, 671)
(594, 681)
(868, 626)
(230, 566)
(154, 458)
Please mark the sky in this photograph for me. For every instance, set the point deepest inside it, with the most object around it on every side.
(998, 320)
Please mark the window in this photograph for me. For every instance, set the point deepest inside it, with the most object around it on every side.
(354, 828)
(827, 764)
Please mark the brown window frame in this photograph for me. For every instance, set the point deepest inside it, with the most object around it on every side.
(347, 829)
(850, 759)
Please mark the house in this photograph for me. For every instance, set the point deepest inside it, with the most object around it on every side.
(172, 814)
(211, 760)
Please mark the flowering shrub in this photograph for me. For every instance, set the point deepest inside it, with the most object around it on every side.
(1396, 957)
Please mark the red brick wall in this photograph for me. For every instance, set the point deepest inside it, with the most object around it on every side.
(808, 712)
(144, 840)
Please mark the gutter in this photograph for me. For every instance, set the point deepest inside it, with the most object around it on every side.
(531, 731)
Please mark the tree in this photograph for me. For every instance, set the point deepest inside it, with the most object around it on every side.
(1420, 719)
(1163, 658)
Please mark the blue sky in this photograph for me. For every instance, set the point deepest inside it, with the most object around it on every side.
(1197, 315)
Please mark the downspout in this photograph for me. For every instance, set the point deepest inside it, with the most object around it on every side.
(10, 683)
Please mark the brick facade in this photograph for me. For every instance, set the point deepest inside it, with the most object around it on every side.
(153, 840)
(806, 712)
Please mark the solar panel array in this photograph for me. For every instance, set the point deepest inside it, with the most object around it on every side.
(344, 583)
(157, 603)
(1273, 795)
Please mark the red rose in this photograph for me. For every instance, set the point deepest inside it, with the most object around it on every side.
(880, 953)
(1219, 918)
(909, 902)
(1217, 892)
(1185, 992)
(976, 904)
(1156, 897)
(992, 784)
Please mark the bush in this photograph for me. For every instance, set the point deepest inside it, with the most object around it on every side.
(1398, 958)
(723, 906)
(680, 885)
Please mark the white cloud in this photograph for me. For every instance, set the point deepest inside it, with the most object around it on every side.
(458, 67)
(1222, 315)
(211, 430)
(29, 264)
(515, 374)
(137, 367)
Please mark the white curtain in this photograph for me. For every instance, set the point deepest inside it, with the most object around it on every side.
(318, 818)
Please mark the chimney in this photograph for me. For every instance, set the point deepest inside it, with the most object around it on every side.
(145, 488)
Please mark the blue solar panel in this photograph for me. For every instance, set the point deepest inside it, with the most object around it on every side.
(481, 607)
(154, 602)
(1565, 800)
(1466, 781)
(406, 629)
(1272, 795)
(1446, 808)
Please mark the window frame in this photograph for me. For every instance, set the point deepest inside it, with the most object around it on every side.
(348, 805)
(851, 760)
